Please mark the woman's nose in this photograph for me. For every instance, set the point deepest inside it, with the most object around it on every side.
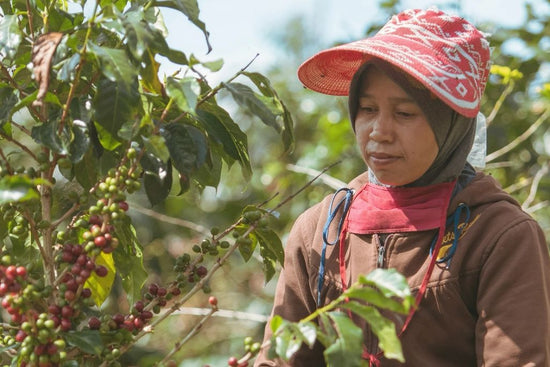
(381, 129)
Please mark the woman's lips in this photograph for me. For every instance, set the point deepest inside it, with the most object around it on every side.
(381, 159)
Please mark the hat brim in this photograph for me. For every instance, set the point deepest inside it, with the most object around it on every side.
(331, 71)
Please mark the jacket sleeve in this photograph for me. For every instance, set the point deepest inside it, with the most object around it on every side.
(293, 297)
(513, 301)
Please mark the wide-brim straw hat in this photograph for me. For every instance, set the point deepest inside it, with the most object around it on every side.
(445, 53)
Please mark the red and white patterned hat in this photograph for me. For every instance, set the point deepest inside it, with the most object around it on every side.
(445, 53)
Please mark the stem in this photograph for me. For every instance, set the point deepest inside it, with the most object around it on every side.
(229, 314)
(46, 204)
(19, 144)
(66, 215)
(535, 186)
(166, 109)
(82, 51)
(8, 166)
(29, 16)
(520, 139)
(167, 219)
(499, 102)
(189, 335)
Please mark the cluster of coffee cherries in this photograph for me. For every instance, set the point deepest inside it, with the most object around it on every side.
(36, 332)
(251, 348)
(111, 192)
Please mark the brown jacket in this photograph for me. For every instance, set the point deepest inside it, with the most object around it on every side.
(490, 308)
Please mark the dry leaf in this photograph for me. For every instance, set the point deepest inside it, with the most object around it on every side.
(42, 55)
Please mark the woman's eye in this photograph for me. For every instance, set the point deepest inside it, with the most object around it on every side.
(405, 114)
(368, 109)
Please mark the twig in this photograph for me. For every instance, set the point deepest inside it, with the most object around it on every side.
(499, 102)
(520, 139)
(29, 17)
(66, 215)
(518, 185)
(19, 144)
(8, 166)
(495, 165)
(165, 218)
(228, 314)
(191, 334)
(326, 179)
(538, 206)
(534, 186)
(290, 197)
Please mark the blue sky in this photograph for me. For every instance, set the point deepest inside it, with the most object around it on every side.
(239, 29)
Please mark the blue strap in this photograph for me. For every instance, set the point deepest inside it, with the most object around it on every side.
(457, 232)
(346, 202)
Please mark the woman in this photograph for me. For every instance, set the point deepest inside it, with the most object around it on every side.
(484, 296)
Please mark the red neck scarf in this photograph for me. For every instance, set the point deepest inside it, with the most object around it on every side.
(380, 209)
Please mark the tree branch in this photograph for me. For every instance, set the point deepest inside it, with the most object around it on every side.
(228, 314)
(520, 139)
(534, 186)
(167, 219)
(326, 179)
(191, 334)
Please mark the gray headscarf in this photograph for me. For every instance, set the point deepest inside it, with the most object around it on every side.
(454, 133)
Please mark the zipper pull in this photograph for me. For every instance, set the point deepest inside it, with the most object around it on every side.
(381, 252)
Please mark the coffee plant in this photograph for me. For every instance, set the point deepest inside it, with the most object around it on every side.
(86, 120)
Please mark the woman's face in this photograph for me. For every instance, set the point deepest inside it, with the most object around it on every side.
(392, 132)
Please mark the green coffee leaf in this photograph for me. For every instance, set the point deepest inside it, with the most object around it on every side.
(115, 103)
(286, 343)
(9, 99)
(80, 142)
(89, 341)
(374, 297)
(114, 64)
(184, 92)
(128, 258)
(138, 32)
(390, 282)
(221, 127)
(383, 328)
(264, 85)
(276, 322)
(346, 351)
(18, 188)
(86, 170)
(157, 178)
(261, 106)
(47, 135)
(10, 36)
(156, 145)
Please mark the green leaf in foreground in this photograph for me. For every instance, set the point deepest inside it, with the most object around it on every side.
(348, 347)
(383, 328)
(18, 188)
